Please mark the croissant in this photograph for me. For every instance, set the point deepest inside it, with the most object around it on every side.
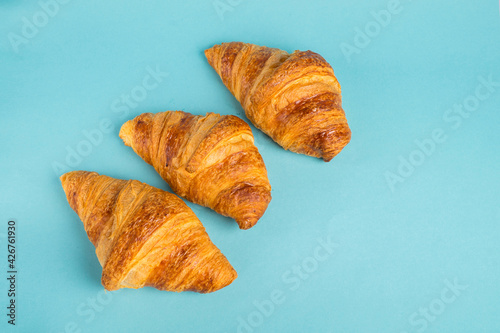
(210, 160)
(294, 98)
(145, 236)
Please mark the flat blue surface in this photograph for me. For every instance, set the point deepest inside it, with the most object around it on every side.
(412, 204)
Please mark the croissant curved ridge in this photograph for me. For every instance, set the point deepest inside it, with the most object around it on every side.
(145, 236)
(210, 160)
(294, 98)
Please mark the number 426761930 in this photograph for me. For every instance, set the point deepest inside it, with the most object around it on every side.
(11, 234)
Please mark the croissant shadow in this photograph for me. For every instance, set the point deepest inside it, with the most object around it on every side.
(93, 269)
(211, 218)
(85, 257)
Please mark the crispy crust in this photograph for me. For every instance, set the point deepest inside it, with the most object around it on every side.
(294, 98)
(145, 236)
(204, 159)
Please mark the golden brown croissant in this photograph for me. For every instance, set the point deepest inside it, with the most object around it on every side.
(145, 236)
(294, 98)
(210, 160)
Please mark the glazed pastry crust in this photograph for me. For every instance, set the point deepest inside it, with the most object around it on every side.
(210, 160)
(294, 98)
(145, 236)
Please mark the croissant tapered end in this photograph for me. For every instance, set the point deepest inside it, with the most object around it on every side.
(333, 142)
(126, 132)
(72, 182)
(145, 236)
(136, 133)
(214, 275)
(246, 204)
(212, 54)
(83, 192)
(294, 98)
(70, 186)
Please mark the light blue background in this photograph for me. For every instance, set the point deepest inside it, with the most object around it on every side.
(395, 248)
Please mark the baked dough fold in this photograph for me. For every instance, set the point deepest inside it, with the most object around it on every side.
(294, 98)
(209, 160)
(145, 236)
